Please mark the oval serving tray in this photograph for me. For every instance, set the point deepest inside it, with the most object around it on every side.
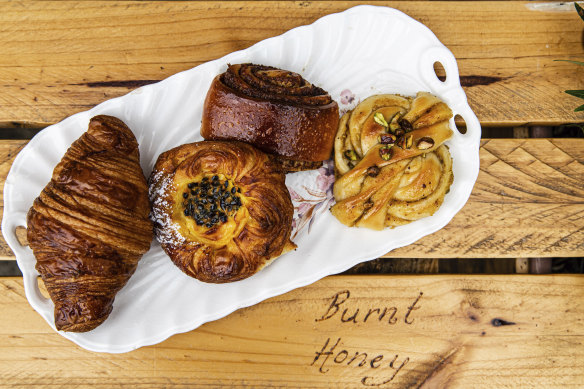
(353, 54)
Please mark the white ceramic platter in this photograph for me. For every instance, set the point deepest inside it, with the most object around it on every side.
(363, 51)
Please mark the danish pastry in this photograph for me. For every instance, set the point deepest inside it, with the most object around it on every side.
(89, 227)
(221, 210)
(274, 110)
(392, 164)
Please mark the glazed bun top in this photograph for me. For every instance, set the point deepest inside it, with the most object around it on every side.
(270, 83)
(274, 110)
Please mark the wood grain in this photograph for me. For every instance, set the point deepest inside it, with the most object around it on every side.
(528, 201)
(453, 331)
(8, 151)
(60, 57)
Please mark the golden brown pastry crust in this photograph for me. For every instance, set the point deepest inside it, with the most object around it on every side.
(403, 179)
(89, 227)
(274, 110)
(252, 234)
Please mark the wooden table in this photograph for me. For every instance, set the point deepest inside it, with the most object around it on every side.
(59, 58)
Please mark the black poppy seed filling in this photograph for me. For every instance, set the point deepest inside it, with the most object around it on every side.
(211, 201)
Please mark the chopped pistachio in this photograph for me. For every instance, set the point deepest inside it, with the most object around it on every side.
(385, 152)
(373, 171)
(425, 143)
(401, 142)
(379, 119)
(405, 125)
(386, 139)
(393, 126)
(409, 140)
(350, 155)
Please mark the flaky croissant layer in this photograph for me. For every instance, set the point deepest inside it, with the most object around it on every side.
(89, 227)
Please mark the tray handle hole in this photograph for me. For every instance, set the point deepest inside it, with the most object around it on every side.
(42, 288)
(20, 232)
(439, 71)
(460, 124)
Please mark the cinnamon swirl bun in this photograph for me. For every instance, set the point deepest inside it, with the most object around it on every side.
(392, 165)
(221, 210)
(274, 110)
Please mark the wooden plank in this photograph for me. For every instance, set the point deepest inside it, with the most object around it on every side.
(59, 58)
(447, 331)
(528, 202)
(8, 151)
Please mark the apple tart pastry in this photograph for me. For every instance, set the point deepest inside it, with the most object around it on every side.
(221, 210)
(391, 164)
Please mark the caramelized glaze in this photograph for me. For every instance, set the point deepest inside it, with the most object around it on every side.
(276, 111)
(89, 227)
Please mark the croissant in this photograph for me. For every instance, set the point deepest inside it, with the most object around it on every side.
(274, 110)
(392, 165)
(89, 226)
(221, 210)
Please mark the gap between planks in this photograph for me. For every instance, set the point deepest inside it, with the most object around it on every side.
(505, 50)
(528, 201)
